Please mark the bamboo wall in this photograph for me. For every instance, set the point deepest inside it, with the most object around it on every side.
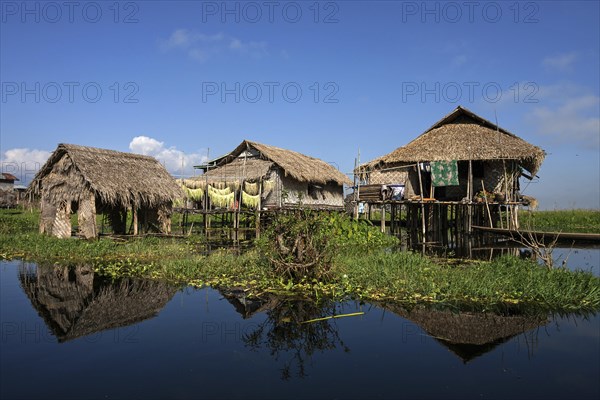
(331, 195)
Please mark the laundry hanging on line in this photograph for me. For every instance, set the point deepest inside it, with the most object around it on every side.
(444, 173)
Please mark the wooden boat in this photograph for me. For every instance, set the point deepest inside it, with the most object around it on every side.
(542, 236)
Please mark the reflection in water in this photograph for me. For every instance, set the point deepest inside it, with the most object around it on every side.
(470, 335)
(74, 302)
(477, 246)
(285, 333)
(467, 335)
(486, 247)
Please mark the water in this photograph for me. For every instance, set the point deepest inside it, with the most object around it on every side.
(66, 333)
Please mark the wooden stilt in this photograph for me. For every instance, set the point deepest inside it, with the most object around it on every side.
(423, 229)
(487, 206)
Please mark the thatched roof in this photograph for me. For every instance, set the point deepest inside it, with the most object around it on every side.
(239, 169)
(299, 166)
(73, 302)
(463, 135)
(117, 178)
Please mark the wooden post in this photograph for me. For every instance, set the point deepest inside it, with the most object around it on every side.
(134, 213)
(383, 218)
(487, 206)
(392, 212)
(470, 182)
(257, 215)
(357, 185)
(420, 180)
(422, 205)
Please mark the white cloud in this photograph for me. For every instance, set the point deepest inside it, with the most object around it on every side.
(176, 161)
(569, 114)
(561, 62)
(201, 47)
(145, 145)
(183, 38)
(24, 163)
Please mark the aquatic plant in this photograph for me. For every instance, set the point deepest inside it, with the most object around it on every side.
(303, 243)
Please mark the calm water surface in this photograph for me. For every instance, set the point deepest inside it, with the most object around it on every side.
(66, 333)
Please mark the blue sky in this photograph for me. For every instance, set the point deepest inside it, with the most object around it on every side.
(175, 79)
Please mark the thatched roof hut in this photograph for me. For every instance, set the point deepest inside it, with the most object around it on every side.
(117, 178)
(91, 178)
(284, 177)
(74, 302)
(464, 137)
(252, 160)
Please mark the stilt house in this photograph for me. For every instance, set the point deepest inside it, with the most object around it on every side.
(259, 176)
(456, 159)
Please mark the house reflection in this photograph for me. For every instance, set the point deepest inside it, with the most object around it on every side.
(469, 335)
(74, 302)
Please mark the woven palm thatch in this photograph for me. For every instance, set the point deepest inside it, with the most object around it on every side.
(239, 169)
(301, 167)
(463, 135)
(118, 179)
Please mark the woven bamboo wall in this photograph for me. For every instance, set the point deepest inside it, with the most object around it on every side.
(297, 192)
(47, 215)
(407, 177)
(164, 218)
(61, 227)
(272, 199)
(388, 177)
(86, 216)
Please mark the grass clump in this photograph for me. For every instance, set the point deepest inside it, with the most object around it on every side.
(506, 282)
(579, 221)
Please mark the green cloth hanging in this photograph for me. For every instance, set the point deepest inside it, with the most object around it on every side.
(444, 173)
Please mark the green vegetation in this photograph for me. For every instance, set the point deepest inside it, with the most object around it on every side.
(581, 221)
(354, 260)
(305, 243)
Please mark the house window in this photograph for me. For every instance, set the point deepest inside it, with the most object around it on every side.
(315, 192)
